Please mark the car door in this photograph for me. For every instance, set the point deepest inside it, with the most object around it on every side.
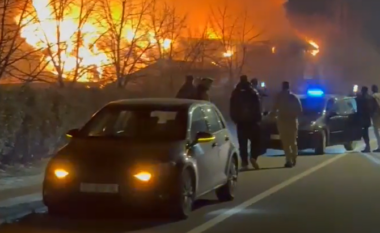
(219, 130)
(335, 121)
(203, 153)
(353, 127)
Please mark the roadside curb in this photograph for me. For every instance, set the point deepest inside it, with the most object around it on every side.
(36, 207)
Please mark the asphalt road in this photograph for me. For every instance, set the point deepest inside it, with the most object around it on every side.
(337, 192)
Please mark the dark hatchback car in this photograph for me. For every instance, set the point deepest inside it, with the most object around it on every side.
(326, 121)
(140, 152)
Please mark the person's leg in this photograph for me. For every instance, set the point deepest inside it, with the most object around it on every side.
(294, 145)
(377, 135)
(255, 144)
(365, 136)
(284, 136)
(243, 144)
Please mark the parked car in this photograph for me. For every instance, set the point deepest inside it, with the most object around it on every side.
(141, 152)
(327, 120)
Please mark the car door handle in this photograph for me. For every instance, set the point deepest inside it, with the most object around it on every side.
(214, 144)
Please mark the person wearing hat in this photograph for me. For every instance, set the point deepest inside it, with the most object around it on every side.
(203, 88)
(245, 112)
(188, 90)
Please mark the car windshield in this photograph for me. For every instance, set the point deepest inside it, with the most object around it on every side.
(312, 106)
(138, 123)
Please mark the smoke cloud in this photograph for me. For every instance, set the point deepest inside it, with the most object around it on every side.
(266, 15)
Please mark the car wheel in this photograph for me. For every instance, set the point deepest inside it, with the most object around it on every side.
(349, 146)
(183, 204)
(227, 191)
(321, 146)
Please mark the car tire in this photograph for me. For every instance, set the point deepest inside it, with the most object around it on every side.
(182, 204)
(321, 144)
(227, 191)
(349, 146)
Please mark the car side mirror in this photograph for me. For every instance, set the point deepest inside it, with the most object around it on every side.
(72, 133)
(202, 137)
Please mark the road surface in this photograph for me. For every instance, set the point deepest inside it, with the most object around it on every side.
(333, 193)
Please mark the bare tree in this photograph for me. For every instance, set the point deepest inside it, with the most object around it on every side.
(232, 36)
(127, 38)
(14, 17)
(63, 31)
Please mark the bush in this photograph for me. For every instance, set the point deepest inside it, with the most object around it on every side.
(35, 120)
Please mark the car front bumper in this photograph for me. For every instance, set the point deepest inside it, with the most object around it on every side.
(70, 194)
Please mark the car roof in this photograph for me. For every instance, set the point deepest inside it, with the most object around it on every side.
(165, 102)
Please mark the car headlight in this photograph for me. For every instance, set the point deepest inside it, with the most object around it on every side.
(61, 173)
(143, 176)
(59, 169)
(148, 171)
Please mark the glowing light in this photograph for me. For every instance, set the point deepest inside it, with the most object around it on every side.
(315, 93)
(356, 88)
(143, 176)
(263, 84)
(229, 53)
(315, 51)
(60, 173)
(273, 49)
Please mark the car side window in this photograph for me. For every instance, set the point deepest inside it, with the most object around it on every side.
(350, 107)
(213, 120)
(198, 122)
(342, 107)
(331, 106)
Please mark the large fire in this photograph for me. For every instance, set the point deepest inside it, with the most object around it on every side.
(70, 44)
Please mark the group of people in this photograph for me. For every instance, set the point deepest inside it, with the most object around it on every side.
(198, 92)
(246, 113)
(369, 112)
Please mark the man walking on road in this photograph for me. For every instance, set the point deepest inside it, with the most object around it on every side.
(376, 115)
(187, 91)
(365, 112)
(245, 112)
(288, 108)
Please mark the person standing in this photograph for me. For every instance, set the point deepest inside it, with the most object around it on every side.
(188, 90)
(365, 112)
(288, 108)
(203, 88)
(376, 115)
(245, 112)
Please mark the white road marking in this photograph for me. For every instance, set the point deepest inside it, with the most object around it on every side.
(220, 218)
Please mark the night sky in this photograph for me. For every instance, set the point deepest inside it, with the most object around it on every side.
(363, 13)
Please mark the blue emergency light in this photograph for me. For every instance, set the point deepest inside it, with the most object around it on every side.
(315, 92)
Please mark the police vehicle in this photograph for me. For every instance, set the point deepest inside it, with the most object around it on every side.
(327, 120)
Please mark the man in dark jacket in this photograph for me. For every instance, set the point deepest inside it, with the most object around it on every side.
(187, 91)
(245, 112)
(203, 88)
(365, 112)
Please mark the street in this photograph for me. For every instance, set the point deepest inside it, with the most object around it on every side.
(336, 192)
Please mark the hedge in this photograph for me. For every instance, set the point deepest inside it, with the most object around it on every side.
(34, 120)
